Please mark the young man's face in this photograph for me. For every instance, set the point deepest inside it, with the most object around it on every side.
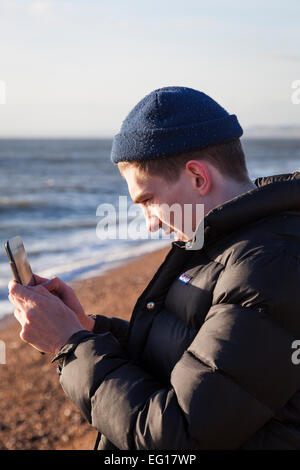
(155, 195)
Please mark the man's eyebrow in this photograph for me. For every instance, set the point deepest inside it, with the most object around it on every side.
(141, 197)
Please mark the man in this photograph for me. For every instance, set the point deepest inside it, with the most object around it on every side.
(206, 361)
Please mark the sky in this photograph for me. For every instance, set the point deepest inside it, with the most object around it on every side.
(76, 68)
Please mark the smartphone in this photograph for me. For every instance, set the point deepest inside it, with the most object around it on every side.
(19, 262)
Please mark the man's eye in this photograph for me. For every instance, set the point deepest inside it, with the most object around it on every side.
(147, 201)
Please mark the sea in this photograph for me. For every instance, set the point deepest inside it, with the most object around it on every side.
(51, 191)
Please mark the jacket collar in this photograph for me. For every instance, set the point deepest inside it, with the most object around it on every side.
(273, 194)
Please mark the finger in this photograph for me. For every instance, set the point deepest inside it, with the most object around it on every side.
(18, 294)
(11, 284)
(39, 279)
(21, 296)
(45, 291)
(40, 289)
(17, 290)
(19, 315)
(54, 286)
(17, 302)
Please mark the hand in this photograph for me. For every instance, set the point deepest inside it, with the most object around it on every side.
(47, 323)
(67, 295)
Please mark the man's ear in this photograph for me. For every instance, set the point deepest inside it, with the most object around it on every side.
(199, 182)
(200, 175)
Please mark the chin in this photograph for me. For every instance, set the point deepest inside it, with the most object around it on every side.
(179, 237)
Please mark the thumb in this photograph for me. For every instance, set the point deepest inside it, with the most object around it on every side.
(18, 290)
(53, 285)
(39, 279)
(47, 288)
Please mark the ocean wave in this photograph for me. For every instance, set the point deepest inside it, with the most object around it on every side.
(62, 223)
(20, 203)
(100, 262)
(49, 225)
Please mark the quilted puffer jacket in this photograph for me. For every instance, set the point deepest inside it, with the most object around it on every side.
(206, 361)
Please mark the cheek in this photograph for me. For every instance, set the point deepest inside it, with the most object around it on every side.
(172, 214)
(164, 215)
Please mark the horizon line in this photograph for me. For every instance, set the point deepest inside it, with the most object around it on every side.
(260, 129)
(250, 137)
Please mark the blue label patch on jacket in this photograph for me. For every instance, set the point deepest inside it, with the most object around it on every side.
(185, 278)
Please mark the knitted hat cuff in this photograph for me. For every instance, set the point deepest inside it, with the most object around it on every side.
(163, 142)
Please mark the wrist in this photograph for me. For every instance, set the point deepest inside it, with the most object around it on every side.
(71, 345)
(63, 342)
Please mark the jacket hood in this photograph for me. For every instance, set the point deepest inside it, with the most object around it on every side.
(273, 194)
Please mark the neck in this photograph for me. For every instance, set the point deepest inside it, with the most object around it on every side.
(228, 190)
(236, 189)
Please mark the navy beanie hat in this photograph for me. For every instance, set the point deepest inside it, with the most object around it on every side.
(170, 121)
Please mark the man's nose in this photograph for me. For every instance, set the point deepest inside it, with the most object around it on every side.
(153, 223)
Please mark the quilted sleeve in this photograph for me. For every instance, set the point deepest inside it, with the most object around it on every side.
(117, 326)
